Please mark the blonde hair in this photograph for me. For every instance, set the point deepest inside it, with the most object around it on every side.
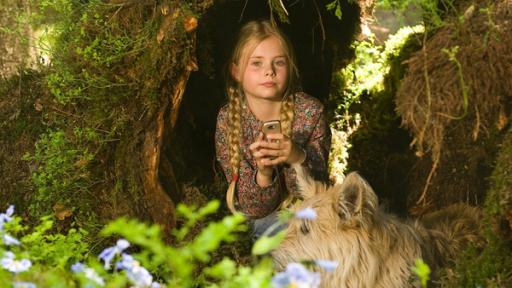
(250, 36)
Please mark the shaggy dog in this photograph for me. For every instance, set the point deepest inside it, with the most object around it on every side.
(373, 248)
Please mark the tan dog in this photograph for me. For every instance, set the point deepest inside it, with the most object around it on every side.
(373, 248)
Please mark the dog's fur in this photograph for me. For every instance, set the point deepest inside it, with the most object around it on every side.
(373, 248)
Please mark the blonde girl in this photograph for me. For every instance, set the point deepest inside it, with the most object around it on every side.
(263, 84)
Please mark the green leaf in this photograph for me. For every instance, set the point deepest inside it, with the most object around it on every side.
(210, 238)
(266, 244)
(422, 270)
(225, 269)
(336, 6)
(332, 5)
(210, 208)
(285, 215)
(338, 11)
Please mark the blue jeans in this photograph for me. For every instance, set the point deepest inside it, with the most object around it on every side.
(261, 225)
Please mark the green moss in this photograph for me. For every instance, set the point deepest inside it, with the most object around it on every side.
(499, 198)
(20, 126)
(490, 266)
(367, 87)
(108, 76)
(487, 267)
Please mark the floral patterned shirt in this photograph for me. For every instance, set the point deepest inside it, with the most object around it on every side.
(310, 132)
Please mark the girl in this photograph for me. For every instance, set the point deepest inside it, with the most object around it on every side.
(263, 85)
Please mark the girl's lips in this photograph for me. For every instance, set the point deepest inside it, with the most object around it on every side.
(268, 84)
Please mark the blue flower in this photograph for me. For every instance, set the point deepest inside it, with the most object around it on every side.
(9, 240)
(6, 217)
(15, 266)
(296, 275)
(327, 265)
(21, 284)
(140, 276)
(135, 272)
(92, 275)
(280, 280)
(78, 267)
(89, 273)
(109, 253)
(307, 213)
(9, 211)
(126, 262)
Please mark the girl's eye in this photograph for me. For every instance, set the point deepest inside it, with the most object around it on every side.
(280, 63)
(256, 63)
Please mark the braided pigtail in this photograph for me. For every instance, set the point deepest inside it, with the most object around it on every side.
(287, 115)
(234, 111)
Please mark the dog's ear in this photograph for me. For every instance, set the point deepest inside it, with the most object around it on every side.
(355, 197)
(308, 187)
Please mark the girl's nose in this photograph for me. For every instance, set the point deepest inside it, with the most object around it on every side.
(270, 71)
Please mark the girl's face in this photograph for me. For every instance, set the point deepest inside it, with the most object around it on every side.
(266, 74)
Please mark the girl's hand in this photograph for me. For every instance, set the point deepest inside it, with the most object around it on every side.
(285, 150)
(265, 170)
(260, 151)
(276, 149)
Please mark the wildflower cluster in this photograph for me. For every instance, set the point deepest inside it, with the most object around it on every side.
(134, 273)
(176, 266)
(14, 266)
(109, 253)
(296, 275)
(8, 261)
(5, 218)
(138, 275)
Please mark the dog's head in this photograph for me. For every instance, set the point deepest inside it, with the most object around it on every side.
(348, 205)
(345, 212)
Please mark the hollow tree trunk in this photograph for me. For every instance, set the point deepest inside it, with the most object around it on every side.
(159, 204)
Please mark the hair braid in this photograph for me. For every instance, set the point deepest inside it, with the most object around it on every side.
(287, 115)
(234, 111)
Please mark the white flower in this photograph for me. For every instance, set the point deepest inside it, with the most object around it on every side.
(307, 213)
(327, 265)
(92, 275)
(296, 275)
(89, 273)
(135, 272)
(15, 266)
(6, 217)
(9, 240)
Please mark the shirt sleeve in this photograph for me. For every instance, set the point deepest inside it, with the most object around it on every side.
(317, 148)
(251, 199)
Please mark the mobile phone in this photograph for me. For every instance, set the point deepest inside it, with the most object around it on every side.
(271, 127)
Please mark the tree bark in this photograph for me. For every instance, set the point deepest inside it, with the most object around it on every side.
(160, 205)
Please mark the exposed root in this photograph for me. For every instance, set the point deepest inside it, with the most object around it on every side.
(423, 197)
